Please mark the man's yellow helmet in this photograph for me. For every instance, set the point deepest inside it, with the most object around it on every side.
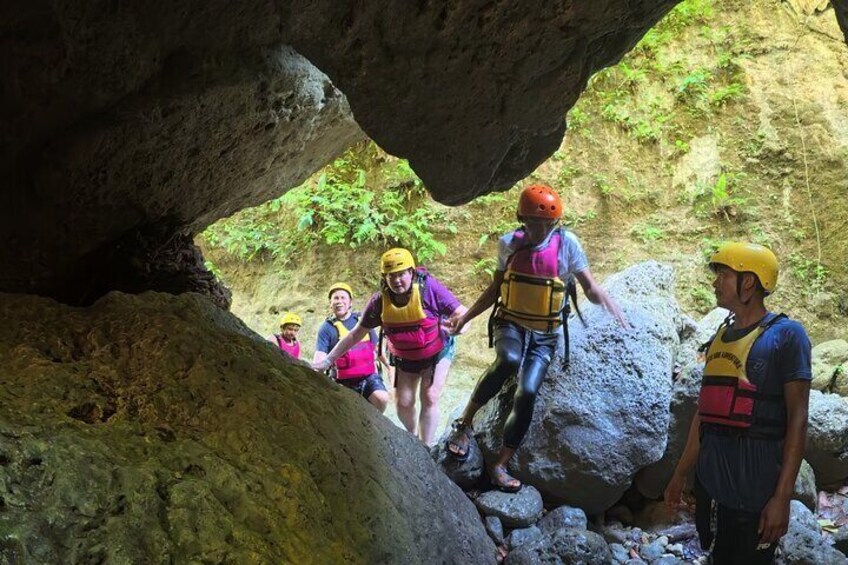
(291, 318)
(749, 258)
(340, 286)
(397, 259)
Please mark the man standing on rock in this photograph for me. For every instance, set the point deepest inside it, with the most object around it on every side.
(356, 369)
(528, 291)
(747, 440)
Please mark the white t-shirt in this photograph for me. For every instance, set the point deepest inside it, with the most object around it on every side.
(572, 259)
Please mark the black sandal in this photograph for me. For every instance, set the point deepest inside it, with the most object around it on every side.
(459, 430)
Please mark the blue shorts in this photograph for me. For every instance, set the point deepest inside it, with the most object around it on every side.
(366, 386)
(448, 352)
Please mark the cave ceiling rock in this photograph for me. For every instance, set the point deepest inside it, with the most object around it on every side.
(162, 117)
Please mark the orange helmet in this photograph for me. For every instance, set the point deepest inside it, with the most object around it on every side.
(540, 201)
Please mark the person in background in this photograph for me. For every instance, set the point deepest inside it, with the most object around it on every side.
(286, 340)
(356, 369)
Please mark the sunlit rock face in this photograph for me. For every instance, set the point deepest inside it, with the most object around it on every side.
(157, 429)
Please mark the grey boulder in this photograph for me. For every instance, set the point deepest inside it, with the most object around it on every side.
(803, 543)
(563, 517)
(827, 438)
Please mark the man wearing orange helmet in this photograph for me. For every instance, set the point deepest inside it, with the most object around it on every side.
(411, 308)
(528, 291)
(356, 369)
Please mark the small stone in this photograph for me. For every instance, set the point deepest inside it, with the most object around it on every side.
(495, 529)
(523, 536)
(666, 559)
(663, 541)
(515, 510)
(619, 553)
(563, 517)
(675, 548)
(652, 551)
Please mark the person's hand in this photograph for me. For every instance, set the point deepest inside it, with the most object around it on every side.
(674, 492)
(774, 520)
(322, 366)
(614, 309)
(455, 325)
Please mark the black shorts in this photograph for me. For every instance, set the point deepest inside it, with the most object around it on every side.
(409, 366)
(366, 386)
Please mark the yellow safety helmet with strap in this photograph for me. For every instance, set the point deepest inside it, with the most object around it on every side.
(749, 258)
(291, 318)
(397, 259)
(340, 286)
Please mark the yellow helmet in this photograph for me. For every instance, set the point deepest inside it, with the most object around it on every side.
(340, 286)
(397, 259)
(291, 318)
(749, 258)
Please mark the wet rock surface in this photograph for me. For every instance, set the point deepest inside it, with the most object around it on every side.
(563, 546)
(563, 517)
(158, 427)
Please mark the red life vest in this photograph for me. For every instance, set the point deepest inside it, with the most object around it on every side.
(727, 397)
(412, 334)
(358, 362)
(292, 349)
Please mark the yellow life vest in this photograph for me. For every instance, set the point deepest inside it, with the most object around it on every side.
(532, 295)
(411, 313)
(343, 331)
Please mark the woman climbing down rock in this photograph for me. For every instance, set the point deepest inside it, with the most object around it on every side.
(528, 291)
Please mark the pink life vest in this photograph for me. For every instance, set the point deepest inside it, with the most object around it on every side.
(292, 349)
(412, 334)
(532, 295)
(358, 362)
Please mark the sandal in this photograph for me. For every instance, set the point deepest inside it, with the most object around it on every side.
(503, 481)
(459, 439)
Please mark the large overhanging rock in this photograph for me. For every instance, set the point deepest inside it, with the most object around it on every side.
(110, 170)
(128, 121)
(155, 428)
(604, 418)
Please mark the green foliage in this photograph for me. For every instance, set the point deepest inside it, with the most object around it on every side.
(647, 232)
(703, 298)
(808, 271)
(341, 209)
(485, 267)
(251, 233)
(720, 198)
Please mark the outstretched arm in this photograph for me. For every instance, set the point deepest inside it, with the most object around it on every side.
(598, 295)
(461, 316)
(342, 347)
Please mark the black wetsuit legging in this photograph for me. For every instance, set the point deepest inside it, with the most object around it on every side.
(509, 348)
